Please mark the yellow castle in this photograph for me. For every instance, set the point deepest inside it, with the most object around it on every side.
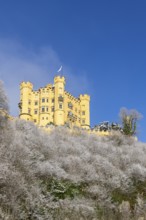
(52, 104)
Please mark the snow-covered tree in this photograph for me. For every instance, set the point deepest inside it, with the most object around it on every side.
(129, 120)
(3, 98)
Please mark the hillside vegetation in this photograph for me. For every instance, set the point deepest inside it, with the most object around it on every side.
(69, 175)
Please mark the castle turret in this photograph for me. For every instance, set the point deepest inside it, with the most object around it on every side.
(59, 117)
(85, 110)
(25, 100)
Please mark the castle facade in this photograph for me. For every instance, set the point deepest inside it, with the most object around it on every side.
(52, 104)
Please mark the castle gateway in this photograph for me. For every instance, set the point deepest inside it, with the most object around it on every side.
(53, 105)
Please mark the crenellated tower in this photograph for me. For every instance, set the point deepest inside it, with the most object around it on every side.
(59, 117)
(85, 111)
(25, 100)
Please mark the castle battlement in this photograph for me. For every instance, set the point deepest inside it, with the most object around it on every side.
(59, 79)
(84, 97)
(26, 85)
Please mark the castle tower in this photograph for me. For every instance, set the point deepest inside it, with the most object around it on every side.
(25, 100)
(59, 117)
(85, 111)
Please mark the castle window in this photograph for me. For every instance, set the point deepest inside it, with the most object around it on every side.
(47, 109)
(60, 98)
(83, 112)
(35, 111)
(70, 105)
(36, 103)
(70, 114)
(35, 120)
(42, 118)
(29, 110)
(29, 102)
(43, 99)
(46, 118)
(43, 109)
(52, 100)
(52, 109)
(83, 121)
(47, 100)
(60, 106)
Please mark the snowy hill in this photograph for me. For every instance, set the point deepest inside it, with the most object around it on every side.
(69, 175)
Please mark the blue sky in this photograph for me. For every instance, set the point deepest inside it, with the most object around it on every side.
(101, 45)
